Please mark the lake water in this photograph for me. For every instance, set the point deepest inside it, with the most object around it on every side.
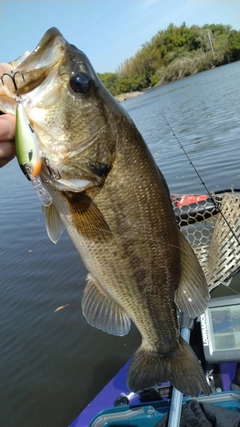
(52, 362)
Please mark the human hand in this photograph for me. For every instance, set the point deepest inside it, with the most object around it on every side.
(7, 130)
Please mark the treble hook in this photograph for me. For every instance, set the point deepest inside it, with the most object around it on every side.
(13, 77)
(54, 173)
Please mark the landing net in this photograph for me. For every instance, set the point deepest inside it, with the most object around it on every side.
(213, 236)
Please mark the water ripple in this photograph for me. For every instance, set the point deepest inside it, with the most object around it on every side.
(53, 363)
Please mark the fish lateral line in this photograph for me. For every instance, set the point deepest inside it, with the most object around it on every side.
(83, 217)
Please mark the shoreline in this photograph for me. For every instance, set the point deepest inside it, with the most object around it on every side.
(128, 95)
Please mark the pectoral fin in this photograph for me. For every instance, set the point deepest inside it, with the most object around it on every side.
(86, 217)
(54, 224)
(102, 312)
(192, 294)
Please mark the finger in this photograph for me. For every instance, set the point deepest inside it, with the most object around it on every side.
(7, 127)
(7, 152)
(7, 130)
(4, 68)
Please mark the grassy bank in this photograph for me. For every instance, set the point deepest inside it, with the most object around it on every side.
(173, 54)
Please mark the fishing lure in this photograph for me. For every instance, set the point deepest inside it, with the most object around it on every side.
(28, 151)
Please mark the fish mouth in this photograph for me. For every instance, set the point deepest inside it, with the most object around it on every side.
(45, 57)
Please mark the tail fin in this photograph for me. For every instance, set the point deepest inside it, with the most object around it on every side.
(182, 369)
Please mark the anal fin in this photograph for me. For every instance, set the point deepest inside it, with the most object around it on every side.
(102, 312)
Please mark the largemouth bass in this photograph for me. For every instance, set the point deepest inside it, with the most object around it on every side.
(114, 202)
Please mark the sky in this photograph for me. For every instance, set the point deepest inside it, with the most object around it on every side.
(107, 31)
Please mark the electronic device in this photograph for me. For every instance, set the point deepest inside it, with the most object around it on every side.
(220, 326)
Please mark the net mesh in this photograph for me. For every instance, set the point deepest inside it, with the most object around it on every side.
(213, 231)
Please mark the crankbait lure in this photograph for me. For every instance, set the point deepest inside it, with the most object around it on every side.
(27, 147)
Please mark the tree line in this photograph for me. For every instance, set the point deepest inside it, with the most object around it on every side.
(173, 54)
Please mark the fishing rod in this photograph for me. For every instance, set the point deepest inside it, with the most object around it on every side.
(203, 183)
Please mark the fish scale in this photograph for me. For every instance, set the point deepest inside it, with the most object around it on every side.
(114, 202)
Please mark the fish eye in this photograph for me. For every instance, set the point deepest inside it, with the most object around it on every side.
(81, 83)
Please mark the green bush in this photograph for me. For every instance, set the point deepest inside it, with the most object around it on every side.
(173, 54)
